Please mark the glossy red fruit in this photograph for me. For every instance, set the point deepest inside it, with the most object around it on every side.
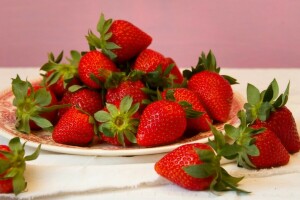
(282, 123)
(87, 99)
(94, 67)
(162, 122)
(5, 183)
(74, 128)
(131, 88)
(215, 94)
(148, 60)
(172, 164)
(194, 125)
(271, 151)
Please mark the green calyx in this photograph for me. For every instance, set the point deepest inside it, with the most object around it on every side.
(15, 164)
(207, 63)
(260, 104)
(243, 144)
(119, 122)
(102, 42)
(30, 104)
(211, 167)
(64, 71)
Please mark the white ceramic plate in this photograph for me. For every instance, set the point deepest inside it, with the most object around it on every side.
(7, 130)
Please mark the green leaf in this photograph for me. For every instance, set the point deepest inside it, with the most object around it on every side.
(133, 109)
(75, 88)
(126, 104)
(100, 24)
(4, 165)
(253, 94)
(200, 171)
(102, 116)
(264, 111)
(105, 129)
(41, 122)
(231, 131)
(113, 110)
(15, 145)
(34, 155)
(112, 46)
(19, 183)
(252, 150)
(20, 88)
(22, 124)
(120, 138)
(206, 156)
(42, 97)
(130, 136)
(230, 151)
(230, 79)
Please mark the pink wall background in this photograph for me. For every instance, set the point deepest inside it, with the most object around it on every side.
(252, 33)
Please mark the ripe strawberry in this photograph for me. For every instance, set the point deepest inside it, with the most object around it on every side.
(94, 67)
(36, 106)
(196, 166)
(271, 111)
(194, 125)
(256, 146)
(214, 90)
(75, 127)
(162, 122)
(13, 164)
(127, 87)
(87, 99)
(119, 122)
(60, 76)
(148, 60)
(119, 39)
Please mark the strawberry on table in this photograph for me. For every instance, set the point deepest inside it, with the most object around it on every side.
(36, 106)
(13, 165)
(118, 122)
(213, 89)
(120, 40)
(256, 146)
(196, 166)
(269, 109)
(75, 127)
(60, 76)
(94, 68)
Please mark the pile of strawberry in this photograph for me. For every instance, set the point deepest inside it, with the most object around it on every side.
(122, 92)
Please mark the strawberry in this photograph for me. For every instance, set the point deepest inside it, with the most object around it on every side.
(194, 125)
(148, 60)
(123, 86)
(119, 39)
(214, 90)
(196, 166)
(12, 166)
(36, 106)
(59, 76)
(270, 110)
(118, 122)
(87, 99)
(256, 146)
(93, 69)
(162, 122)
(75, 127)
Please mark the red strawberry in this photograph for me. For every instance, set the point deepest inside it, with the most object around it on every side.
(162, 122)
(214, 90)
(87, 99)
(118, 122)
(13, 164)
(271, 151)
(127, 87)
(36, 106)
(257, 146)
(148, 60)
(178, 77)
(196, 167)
(119, 39)
(75, 127)
(94, 67)
(60, 76)
(270, 110)
(194, 125)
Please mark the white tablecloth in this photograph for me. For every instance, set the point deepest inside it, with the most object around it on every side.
(135, 178)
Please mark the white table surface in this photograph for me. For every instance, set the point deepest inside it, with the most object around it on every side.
(279, 185)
